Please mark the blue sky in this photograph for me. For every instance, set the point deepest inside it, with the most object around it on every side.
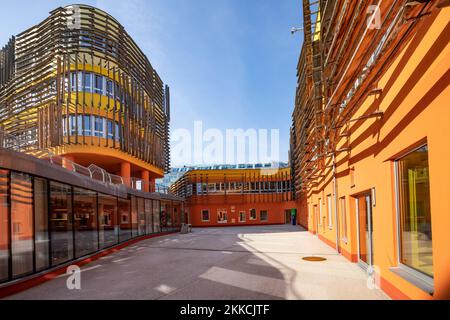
(229, 63)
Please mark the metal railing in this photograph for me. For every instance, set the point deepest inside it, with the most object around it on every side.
(10, 142)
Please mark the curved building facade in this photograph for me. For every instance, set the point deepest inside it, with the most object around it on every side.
(78, 86)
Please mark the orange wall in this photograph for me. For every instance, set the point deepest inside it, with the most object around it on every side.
(415, 100)
(276, 212)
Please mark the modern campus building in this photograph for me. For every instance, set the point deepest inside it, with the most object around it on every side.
(78, 86)
(237, 197)
(370, 138)
(84, 122)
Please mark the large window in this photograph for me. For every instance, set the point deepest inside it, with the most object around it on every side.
(98, 84)
(4, 226)
(98, 127)
(134, 217)
(242, 216)
(125, 219)
(85, 214)
(157, 215)
(264, 214)
(149, 216)
(107, 221)
(110, 88)
(89, 125)
(142, 224)
(415, 211)
(205, 215)
(22, 235)
(61, 220)
(42, 240)
(87, 82)
(166, 215)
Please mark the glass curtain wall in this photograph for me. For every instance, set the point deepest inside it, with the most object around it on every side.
(134, 217)
(4, 226)
(61, 223)
(125, 220)
(107, 221)
(41, 231)
(22, 233)
(157, 216)
(46, 223)
(142, 225)
(163, 215)
(149, 216)
(85, 214)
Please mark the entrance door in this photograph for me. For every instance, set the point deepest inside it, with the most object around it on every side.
(365, 230)
(288, 216)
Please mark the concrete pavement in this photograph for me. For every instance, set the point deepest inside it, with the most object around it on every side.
(220, 263)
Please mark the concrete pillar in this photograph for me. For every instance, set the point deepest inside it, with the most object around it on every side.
(125, 173)
(145, 176)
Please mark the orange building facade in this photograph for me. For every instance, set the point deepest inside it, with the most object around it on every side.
(237, 197)
(92, 97)
(370, 139)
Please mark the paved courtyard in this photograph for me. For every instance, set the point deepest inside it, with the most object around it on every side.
(219, 263)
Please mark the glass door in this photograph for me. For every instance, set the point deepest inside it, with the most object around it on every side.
(365, 230)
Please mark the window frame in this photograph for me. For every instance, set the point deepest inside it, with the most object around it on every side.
(101, 82)
(256, 215)
(412, 275)
(240, 216)
(330, 211)
(343, 212)
(260, 215)
(209, 215)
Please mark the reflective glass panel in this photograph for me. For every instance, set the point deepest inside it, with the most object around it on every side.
(415, 211)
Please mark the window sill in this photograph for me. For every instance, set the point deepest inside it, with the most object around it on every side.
(411, 276)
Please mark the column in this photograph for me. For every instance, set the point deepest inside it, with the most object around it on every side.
(125, 173)
(145, 176)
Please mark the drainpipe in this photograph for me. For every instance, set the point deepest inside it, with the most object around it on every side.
(335, 191)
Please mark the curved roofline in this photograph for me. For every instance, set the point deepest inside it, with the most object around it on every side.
(92, 7)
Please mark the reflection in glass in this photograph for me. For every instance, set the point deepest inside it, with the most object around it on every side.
(149, 216)
(107, 220)
(41, 224)
(4, 226)
(134, 217)
(141, 217)
(85, 214)
(22, 244)
(125, 220)
(156, 216)
(415, 211)
(61, 223)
